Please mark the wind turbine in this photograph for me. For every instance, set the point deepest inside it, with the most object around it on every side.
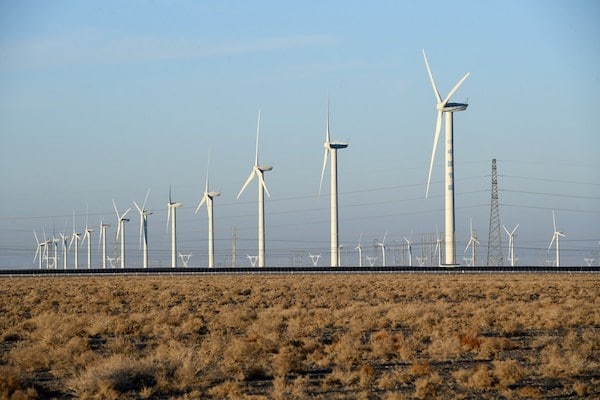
(75, 237)
(511, 245)
(473, 242)
(258, 171)
(382, 245)
(444, 106)
(172, 210)
(207, 198)
(121, 231)
(555, 237)
(144, 228)
(88, 235)
(185, 259)
(359, 248)
(314, 258)
(102, 240)
(64, 239)
(409, 247)
(40, 247)
(331, 149)
(252, 259)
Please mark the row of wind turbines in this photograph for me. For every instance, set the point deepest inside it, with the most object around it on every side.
(444, 108)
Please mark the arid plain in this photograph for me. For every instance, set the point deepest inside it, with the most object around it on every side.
(387, 336)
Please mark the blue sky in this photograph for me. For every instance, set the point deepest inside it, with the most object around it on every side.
(103, 100)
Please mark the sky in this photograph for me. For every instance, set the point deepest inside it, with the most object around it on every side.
(105, 100)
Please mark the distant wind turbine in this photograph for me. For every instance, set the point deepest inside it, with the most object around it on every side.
(102, 241)
(185, 259)
(64, 240)
(39, 250)
(444, 106)
(359, 248)
(314, 258)
(409, 243)
(121, 231)
(556, 237)
(473, 242)
(88, 235)
(331, 149)
(511, 245)
(258, 171)
(144, 229)
(172, 215)
(207, 198)
(75, 238)
(382, 245)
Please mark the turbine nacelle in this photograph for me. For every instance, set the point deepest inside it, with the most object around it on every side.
(452, 107)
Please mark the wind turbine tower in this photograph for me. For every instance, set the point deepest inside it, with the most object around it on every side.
(75, 237)
(473, 242)
(555, 238)
(445, 107)
(382, 245)
(207, 198)
(39, 250)
(172, 210)
(144, 229)
(102, 240)
(88, 235)
(121, 232)
(331, 149)
(409, 247)
(359, 248)
(258, 171)
(511, 245)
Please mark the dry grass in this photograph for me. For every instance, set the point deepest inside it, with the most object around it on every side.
(296, 337)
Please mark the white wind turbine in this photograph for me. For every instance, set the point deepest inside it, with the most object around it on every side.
(473, 242)
(172, 215)
(64, 240)
(88, 235)
(121, 232)
(511, 245)
(258, 171)
(555, 237)
(185, 259)
(207, 198)
(102, 241)
(409, 243)
(75, 237)
(382, 245)
(444, 106)
(39, 250)
(144, 229)
(331, 149)
(359, 248)
(314, 258)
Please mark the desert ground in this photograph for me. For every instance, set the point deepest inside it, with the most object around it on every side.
(328, 336)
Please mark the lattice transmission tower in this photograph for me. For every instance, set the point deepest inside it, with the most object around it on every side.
(494, 256)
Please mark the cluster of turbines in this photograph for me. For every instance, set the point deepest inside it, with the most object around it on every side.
(447, 257)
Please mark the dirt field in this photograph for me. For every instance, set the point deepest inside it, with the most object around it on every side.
(301, 336)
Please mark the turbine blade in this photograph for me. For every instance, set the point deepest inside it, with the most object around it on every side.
(201, 203)
(141, 227)
(455, 88)
(170, 201)
(384, 237)
(513, 231)
(36, 238)
(553, 220)
(262, 183)
(145, 199)
(116, 212)
(125, 213)
(324, 165)
(140, 210)
(247, 182)
(168, 216)
(552, 241)
(506, 230)
(435, 90)
(438, 127)
(327, 137)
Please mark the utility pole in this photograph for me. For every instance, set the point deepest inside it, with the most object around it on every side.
(494, 256)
